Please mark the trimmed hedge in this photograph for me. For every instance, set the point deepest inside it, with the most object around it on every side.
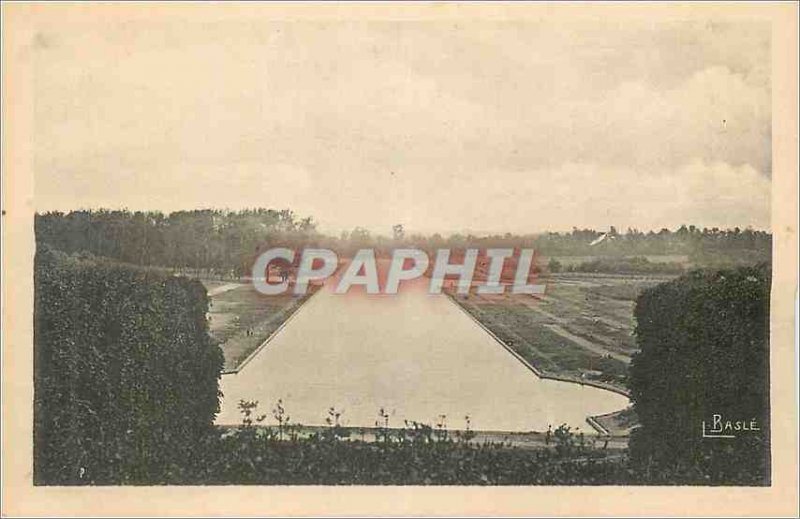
(704, 341)
(125, 375)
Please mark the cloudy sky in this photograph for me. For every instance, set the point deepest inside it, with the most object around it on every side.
(440, 125)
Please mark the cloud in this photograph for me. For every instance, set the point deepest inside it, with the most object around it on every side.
(714, 115)
(595, 196)
(485, 125)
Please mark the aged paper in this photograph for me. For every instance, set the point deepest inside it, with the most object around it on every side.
(474, 259)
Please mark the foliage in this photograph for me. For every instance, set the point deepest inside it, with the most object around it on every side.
(704, 342)
(125, 374)
(223, 241)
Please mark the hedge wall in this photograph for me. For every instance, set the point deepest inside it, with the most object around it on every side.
(704, 341)
(125, 376)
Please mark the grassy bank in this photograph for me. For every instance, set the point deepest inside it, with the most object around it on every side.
(580, 331)
(241, 319)
(527, 334)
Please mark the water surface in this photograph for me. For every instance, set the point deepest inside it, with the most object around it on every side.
(416, 355)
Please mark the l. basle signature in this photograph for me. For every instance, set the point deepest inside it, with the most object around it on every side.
(721, 427)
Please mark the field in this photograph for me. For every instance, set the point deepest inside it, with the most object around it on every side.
(581, 330)
(241, 319)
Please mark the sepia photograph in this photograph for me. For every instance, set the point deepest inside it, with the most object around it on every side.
(315, 251)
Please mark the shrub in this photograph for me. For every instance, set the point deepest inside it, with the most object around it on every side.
(625, 265)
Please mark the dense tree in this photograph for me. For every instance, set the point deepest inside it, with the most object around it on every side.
(704, 341)
(224, 242)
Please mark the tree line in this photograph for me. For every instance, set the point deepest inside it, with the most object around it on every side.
(216, 240)
(227, 242)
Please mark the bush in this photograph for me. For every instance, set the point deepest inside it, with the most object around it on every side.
(125, 375)
(704, 342)
(625, 265)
